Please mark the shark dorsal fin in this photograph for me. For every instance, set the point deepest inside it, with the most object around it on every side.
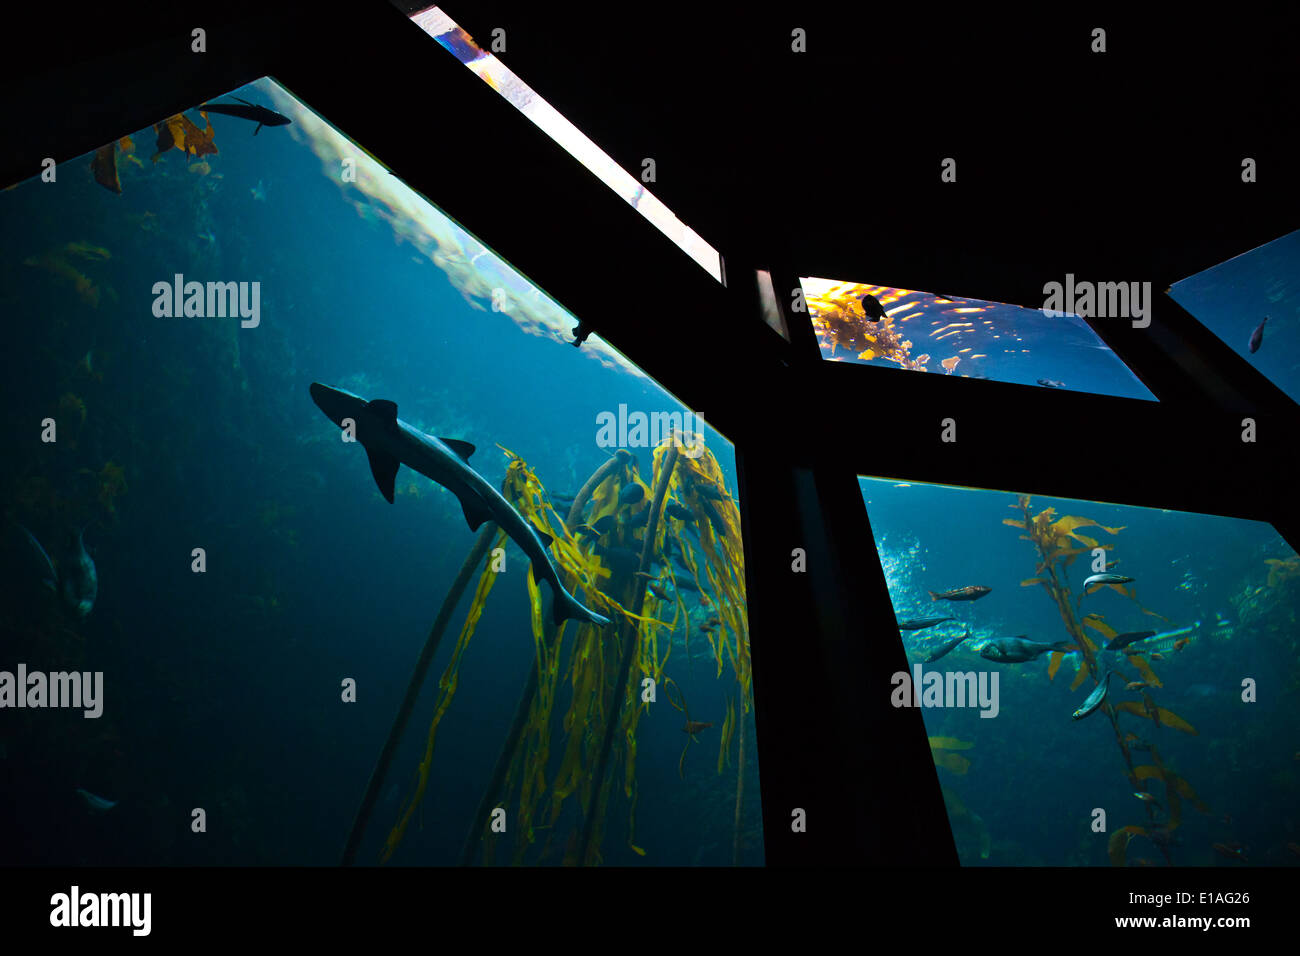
(384, 410)
(463, 449)
(545, 538)
(476, 510)
(384, 467)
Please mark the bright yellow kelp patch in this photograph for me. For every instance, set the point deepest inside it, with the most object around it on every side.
(941, 749)
(577, 727)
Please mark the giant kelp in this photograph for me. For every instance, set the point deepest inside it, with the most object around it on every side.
(1059, 543)
(573, 740)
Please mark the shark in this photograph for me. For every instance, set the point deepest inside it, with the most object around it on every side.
(249, 111)
(390, 442)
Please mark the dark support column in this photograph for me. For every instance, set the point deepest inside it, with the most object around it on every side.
(824, 646)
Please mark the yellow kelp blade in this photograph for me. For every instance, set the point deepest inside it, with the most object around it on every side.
(1054, 663)
(1146, 772)
(1095, 622)
(950, 743)
(1013, 522)
(1117, 848)
(1145, 670)
(1080, 676)
(951, 761)
(1170, 719)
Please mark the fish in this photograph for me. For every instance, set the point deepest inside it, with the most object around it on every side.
(658, 592)
(686, 583)
(693, 727)
(640, 519)
(79, 584)
(96, 804)
(248, 111)
(1093, 700)
(1257, 337)
(76, 582)
(1136, 685)
(1180, 643)
(631, 493)
(1232, 851)
(391, 442)
(1051, 383)
(604, 526)
(674, 510)
(1106, 578)
(923, 623)
(1018, 650)
(872, 307)
(715, 519)
(1157, 656)
(1146, 797)
(710, 492)
(970, 593)
(944, 649)
(1130, 637)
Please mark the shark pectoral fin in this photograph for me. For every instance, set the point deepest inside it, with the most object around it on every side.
(476, 510)
(462, 448)
(384, 468)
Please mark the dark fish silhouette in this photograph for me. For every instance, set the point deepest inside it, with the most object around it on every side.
(923, 623)
(1018, 650)
(249, 111)
(944, 649)
(581, 332)
(631, 494)
(1257, 337)
(872, 307)
(1124, 640)
(972, 593)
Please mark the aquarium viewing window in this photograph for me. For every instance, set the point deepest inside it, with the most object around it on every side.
(545, 117)
(1252, 303)
(1131, 658)
(209, 322)
(969, 338)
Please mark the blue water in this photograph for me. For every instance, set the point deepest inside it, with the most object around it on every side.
(224, 689)
(1233, 297)
(1036, 777)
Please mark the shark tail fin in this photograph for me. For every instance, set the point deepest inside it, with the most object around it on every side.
(566, 605)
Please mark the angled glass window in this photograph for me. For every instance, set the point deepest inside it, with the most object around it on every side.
(1011, 621)
(230, 375)
(1252, 303)
(971, 338)
(545, 117)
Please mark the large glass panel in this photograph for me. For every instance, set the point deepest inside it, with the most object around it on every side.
(1252, 303)
(970, 338)
(199, 320)
(548, 119)
(1186, 757)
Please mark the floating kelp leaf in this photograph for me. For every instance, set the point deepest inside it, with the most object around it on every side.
(104, 168)
(1013, 522)
(1170, 719)
(1117, 847)
(951, 761)
(1080, 676)
(950, 743)
(1095, 622)
(1030, 582)
(1280, 571)
(1145, 670)
(1185, 790)
(1054, 663)
(1146, 772)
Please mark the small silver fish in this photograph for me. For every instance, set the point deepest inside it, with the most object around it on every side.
(80, 581)
(946, 648)
(97, 804)
(1094, 699)
(1107, 578)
